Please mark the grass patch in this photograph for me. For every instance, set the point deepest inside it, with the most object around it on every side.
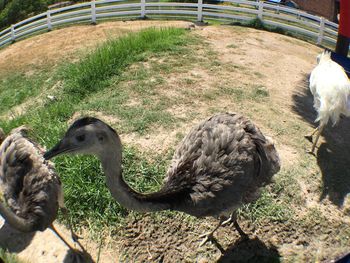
(17, 88)
(7, 257)
(86, 195)
(266, 208)
(111, 58)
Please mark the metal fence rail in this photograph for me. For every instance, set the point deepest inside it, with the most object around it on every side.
(318, 29)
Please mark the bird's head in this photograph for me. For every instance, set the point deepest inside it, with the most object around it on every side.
(87, 135)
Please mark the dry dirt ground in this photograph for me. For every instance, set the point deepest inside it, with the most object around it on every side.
(279, 65)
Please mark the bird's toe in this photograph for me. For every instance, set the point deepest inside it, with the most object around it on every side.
(308, 137)
(75, 237)
(311, 152)
(206, 238)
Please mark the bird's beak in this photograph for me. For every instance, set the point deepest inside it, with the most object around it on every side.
(59, 148)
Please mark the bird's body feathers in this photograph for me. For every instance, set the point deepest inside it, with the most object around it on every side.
(330, 87)
(31, 188)
(221, 164)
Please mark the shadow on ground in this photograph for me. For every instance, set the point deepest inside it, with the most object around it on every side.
(333, 156)
(252, 251)
(12, 240)
(74, 256)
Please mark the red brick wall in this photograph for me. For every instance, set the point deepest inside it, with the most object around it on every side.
(323, 8)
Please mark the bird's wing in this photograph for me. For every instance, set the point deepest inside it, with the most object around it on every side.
(226, 151)
(15, 163)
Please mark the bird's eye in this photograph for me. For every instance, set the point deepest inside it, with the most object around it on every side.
(80, 138)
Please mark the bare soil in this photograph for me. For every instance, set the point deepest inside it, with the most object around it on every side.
(319, 230)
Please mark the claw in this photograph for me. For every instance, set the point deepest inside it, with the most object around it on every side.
(308, 137)
(311, 152)
(207, 237)
(75, 237)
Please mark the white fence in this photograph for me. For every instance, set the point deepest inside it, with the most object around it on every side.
(320, 30)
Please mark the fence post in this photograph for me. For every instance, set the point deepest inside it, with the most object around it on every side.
(13, 33)
(200, 11)
(48, 18)
(260, 10)
(143, 8)
(321, 32)
(93, 12)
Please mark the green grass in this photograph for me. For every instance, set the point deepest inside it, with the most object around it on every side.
(18, 87)
(266, 207)
(93, 72)
(85, 192)
(7, 257)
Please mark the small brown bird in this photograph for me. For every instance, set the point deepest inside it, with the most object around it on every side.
(218, 166)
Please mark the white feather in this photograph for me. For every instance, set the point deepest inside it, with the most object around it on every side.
(330, 87)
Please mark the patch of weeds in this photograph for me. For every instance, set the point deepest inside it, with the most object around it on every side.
(266, 208)
(287, 187)
(232, 46)
(85, 190)
(188, 81)
(259, 92)
(313, 218)
(258, 74)
(17, 88)
(215, 63)
(139, 119)
(7, 257)
(111, 58)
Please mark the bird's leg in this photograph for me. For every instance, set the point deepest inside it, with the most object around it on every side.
(233, 219)
(79, 256)
(74, 236)
(65, 214)
(309, 137)
(239, 229)
(319, 131)
(210, 235)
(59, 235)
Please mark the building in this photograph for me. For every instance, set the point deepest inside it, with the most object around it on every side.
(329, 9)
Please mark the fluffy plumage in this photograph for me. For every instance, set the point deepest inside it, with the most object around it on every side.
(217, 167)
(330, 87)
(29, 184)
(31, 191)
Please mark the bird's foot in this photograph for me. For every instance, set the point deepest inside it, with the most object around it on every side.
(308, 137)
(75, 237)
(243, 235)
(206, 237)
(229, 221)
(311, 152)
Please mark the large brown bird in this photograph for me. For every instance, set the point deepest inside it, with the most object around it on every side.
(30, 190)
(218, 166)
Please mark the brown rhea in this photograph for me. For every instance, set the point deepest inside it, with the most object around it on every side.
(220, 165)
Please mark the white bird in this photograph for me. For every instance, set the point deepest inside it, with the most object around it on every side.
(330, 87)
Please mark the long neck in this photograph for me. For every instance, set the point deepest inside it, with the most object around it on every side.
(17, 222)
(111, 160)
